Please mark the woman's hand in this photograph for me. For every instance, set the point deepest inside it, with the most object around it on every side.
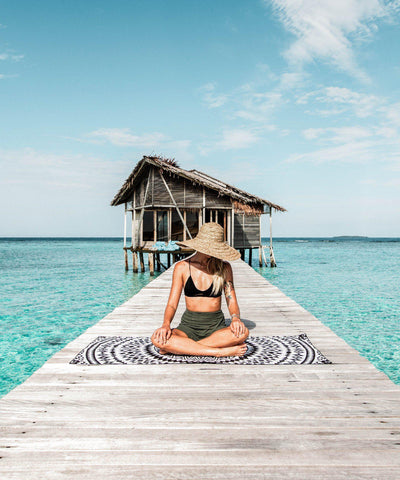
(237, 326)
(162, 334)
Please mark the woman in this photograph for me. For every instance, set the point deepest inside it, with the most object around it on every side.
(203, 276)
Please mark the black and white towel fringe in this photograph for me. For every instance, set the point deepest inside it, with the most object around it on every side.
(266, 350)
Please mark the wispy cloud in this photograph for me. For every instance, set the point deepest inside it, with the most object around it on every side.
(9, 56)
(123, 137)
(340, 99)
(210, 98)
(327, 30)
(236, 138)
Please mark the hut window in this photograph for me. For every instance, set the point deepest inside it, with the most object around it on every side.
(148, 226)
(218, 216)
(176, 226)
(192, 222)
(162, 226)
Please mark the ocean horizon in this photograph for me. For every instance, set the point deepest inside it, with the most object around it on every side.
(54, 288)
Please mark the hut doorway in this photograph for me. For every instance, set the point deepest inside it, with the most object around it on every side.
(218, 216)
(162, 226)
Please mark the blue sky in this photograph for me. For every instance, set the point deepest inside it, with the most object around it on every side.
(297, 101)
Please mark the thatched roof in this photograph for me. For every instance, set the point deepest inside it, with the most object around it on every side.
(196, 177)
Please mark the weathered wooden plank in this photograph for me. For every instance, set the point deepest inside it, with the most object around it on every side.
(335, 421)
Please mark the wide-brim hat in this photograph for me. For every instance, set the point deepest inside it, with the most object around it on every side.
(210, 241)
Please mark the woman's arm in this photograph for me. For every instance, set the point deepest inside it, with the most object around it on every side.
(237, 326)
(163, 333)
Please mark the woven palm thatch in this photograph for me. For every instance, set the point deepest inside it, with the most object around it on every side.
(245, 200)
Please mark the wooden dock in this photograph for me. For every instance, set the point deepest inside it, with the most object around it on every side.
(205, 421)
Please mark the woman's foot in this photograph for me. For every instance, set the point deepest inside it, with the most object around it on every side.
(235, 351)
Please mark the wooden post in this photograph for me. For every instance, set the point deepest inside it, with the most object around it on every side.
(250, 256)
(157, 255)
(134, 221)
(168, 259)
(271, 251)
(151, 263)
(204, 205)
(260, 244)
(142, 210)
(134, 261)
(125, 252)
(233, 226)
(125, 226)
(141, 261)
(126, 259)
(229, 225)
(265, 259)
(155, 225)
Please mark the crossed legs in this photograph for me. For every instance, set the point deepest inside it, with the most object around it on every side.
(222, 343)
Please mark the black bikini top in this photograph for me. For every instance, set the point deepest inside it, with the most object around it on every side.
(191, 290)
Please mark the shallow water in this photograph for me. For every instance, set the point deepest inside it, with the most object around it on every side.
(52, 290)
(352, 286)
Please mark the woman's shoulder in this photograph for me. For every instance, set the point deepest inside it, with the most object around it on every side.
(180, 265)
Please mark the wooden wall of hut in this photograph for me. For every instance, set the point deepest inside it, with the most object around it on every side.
(247, 231)
(185, 193)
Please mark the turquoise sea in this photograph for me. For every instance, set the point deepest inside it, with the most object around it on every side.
(51, 290)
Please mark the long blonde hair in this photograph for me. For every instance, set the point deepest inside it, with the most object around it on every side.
(216, 268)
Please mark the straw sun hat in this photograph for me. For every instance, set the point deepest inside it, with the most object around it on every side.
(210, 240)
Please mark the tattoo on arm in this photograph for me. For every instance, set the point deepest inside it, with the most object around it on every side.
(228, 290)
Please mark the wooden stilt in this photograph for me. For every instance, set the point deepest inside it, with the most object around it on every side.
(168, 259)
(151, 263)
(272, 257)
(158, 268)
(242, 253)
(271, 251)
(265, 258)
(134, 261)
(250, 256)
(126, 260)
(260, 263)
(141, 261)
(174, 257)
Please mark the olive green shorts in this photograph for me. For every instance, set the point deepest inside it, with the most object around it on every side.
(198, 325)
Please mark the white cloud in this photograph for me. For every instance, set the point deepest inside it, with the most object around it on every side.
(122, 137)
(355, 144)
(236, 138)
(338, 134)
(69, 171)
(212, 99)
(340, 100)
(326, 30)
(8, 56)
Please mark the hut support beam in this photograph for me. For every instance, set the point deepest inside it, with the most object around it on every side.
(142, 210)
(134, 261)
(126, 259)
(151, 263)
(260, 247)
(175, 204)
(271, 251)
(125, 251)
(141, 261)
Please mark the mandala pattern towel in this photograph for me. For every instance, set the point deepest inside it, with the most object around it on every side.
(267, 350)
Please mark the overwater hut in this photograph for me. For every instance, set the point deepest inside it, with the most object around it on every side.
(165, 203)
